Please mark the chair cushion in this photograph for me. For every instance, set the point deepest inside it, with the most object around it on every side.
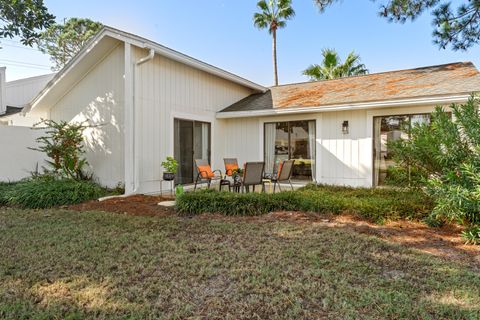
(229, 167)
(279, 171)
(206, 172)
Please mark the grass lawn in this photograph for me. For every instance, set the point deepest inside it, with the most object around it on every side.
(63, 264)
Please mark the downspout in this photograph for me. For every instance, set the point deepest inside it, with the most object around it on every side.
(139, 62)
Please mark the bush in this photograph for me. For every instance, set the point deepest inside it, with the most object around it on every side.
(47, 192)
(472, 235)
(376, 205)
(447, 153)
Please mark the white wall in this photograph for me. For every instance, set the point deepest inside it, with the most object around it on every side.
(98, 100)
(20, 92)
(3, 100)
(16, 160)
(342, 159)
(164, 90)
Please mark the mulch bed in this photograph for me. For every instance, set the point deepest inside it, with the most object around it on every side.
(137, 205)
(442, 242)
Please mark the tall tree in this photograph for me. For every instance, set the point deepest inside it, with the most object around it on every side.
(63, 41)
(24, 19)
(333, 68)
(273, 15)
(456, 27)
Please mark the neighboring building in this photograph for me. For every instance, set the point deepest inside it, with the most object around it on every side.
(15, 95)
(145, 102)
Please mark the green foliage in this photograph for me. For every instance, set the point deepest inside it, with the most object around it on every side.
(433, 221)
(472, 235)
(273, 15)
(170, 165)
(333, 68)
(63, 41)
(24, 19)
(459, 28)
(374, 204)
(404, 176)
(47, 192)
(63, 144)
(447, 153)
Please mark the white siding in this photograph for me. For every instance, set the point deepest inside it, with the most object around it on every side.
(164, 90)
(98, 99)
(20, 92)
(17, 161)
(342, 159)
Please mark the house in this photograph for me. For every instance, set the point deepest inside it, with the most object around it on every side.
(145, 102)
(15, 95)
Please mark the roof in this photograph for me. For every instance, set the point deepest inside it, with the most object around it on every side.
(11, 110)
(442, 80)
(102, 44)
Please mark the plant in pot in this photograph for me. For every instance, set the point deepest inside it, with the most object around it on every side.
(169, 168)
(237, 175)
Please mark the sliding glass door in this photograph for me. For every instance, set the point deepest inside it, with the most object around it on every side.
(388, 129)
(291, 140)
(192, 141)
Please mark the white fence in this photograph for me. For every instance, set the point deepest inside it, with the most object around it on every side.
(17, 161)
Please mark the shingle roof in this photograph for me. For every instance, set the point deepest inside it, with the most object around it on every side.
(11, 110)
(448, 79)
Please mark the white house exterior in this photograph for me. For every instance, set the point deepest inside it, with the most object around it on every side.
(146, 102)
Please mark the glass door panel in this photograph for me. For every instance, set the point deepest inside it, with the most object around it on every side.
(192, 141)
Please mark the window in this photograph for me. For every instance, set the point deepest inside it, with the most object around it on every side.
(385, 130)
(292, 140)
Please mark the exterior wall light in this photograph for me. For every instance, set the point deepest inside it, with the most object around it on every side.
(345, 127)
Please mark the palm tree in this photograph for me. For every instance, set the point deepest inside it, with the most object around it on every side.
(274, 15)
(333, 68)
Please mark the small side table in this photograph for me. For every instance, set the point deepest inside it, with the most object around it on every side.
(172, 186)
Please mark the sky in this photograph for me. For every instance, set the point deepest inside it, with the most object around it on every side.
(221, 32)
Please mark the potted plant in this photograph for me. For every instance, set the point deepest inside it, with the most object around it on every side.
(169, 168)
(237, 175)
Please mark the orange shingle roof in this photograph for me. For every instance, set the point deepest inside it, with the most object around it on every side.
(448, 79)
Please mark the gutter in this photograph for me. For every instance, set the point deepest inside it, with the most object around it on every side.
(342, 107)
(134, 136)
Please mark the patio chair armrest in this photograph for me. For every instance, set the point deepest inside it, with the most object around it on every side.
(219, 172)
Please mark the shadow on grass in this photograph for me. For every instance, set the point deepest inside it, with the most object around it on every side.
(99, 265)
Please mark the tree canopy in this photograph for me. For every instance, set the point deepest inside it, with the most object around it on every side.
(273, 15)
(63, 41)
(24, 19)
(457, 27)
(332, 66)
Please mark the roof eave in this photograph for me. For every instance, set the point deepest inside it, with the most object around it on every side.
(435, 100)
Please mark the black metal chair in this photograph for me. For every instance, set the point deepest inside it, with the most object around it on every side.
(284, 174)
(205, 174)
(253, 176)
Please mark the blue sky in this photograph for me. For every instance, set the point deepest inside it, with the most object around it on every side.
(221, 32)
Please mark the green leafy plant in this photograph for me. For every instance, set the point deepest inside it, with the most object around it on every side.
(170, 165)
(377, 205)
(472, 235)
(446, 153)
(63, 145)
(48, 191)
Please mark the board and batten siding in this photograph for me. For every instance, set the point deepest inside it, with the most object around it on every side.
(342, 159)
(165, 89)
(98, 99)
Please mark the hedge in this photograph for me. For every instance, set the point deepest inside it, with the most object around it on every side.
(376, 205)
(42, 193)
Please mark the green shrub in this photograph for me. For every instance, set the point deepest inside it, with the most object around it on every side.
(374, 204)
(447, 151)
(472, 235)
(46, 192)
